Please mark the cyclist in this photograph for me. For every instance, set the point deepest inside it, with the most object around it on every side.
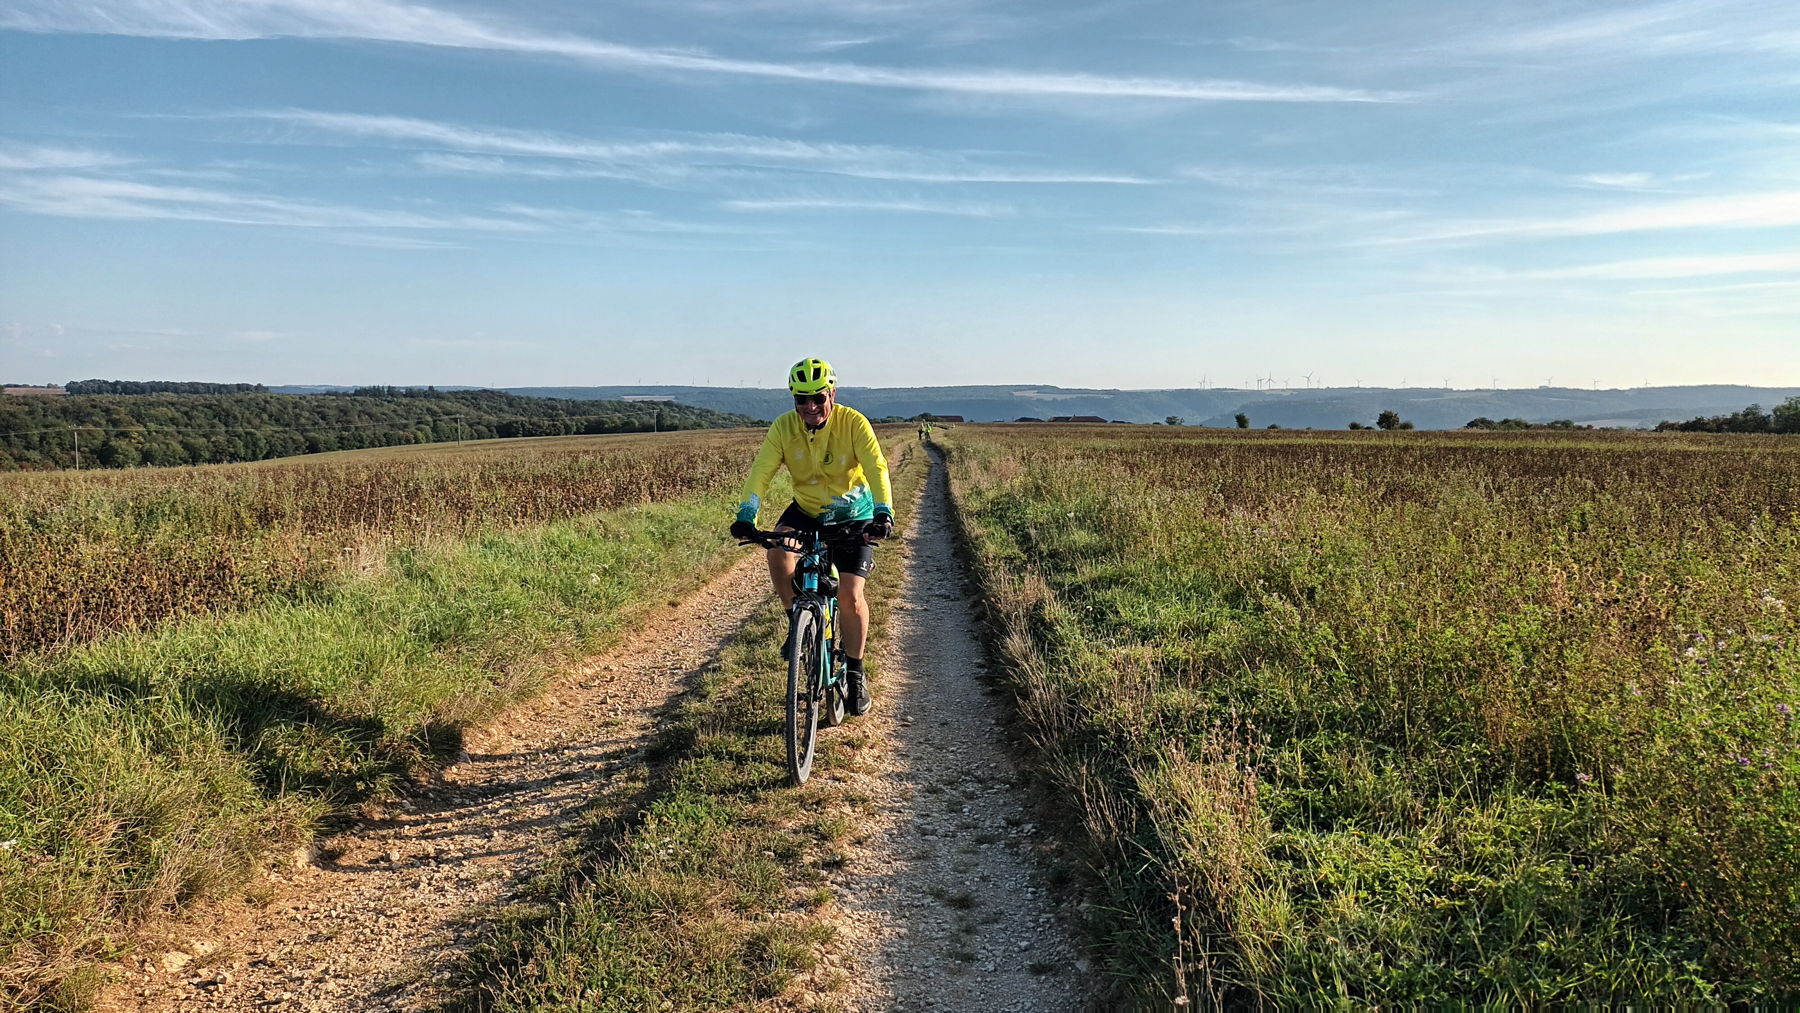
(924, 432)
(840, 477)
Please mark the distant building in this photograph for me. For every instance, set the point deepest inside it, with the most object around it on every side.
(1027, 418)
(1078, 418)
(946, 418)
(33, 391)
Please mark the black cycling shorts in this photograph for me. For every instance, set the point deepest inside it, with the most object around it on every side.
(857, 560)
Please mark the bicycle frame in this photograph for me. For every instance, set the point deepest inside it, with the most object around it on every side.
(815, 563)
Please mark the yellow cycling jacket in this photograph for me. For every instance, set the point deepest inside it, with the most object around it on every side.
(832, 469)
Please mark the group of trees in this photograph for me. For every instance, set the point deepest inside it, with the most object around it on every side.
(1751, 419)
(1487, 423)
(160, 387)
(1387, 421)
(122, 430)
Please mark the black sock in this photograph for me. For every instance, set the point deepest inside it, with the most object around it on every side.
(853, 664)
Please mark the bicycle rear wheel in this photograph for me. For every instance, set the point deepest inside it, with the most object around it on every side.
(807, 638)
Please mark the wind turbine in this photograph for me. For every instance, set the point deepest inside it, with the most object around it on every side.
(1309, 377)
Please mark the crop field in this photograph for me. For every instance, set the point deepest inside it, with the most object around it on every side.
(86, 554)
(1407, 718)
(201, 665)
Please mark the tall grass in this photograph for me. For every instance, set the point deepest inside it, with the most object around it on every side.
(1412, 718)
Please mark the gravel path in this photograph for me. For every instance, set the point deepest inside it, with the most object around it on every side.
(376, 918)
(945, 906)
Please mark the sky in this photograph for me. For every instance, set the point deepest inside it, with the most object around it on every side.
(1118, 193)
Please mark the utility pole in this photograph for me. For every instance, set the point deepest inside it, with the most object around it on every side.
(75, 436)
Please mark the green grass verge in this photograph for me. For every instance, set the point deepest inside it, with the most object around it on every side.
(702, 888)
(140, 772)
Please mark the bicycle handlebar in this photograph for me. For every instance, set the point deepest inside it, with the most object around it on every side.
(854, 533)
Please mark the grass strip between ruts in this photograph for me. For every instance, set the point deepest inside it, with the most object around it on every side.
(701, 885)
(146, 770)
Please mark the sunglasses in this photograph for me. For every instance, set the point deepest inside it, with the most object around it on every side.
(806, 400)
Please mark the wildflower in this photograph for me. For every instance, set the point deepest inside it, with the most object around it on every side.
(1743, 761)
(1785, 711)
(1584, 778)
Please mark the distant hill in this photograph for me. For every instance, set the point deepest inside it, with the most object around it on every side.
(171, 427)
(1318, 408)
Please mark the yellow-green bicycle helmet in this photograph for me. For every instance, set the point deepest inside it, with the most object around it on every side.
(811, 376)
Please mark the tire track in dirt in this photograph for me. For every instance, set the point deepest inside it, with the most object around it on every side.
(380, 915)
(946, 904)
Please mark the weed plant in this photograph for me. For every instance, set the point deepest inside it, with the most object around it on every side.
(1411, 718)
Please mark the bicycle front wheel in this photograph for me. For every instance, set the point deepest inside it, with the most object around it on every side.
(804, 662)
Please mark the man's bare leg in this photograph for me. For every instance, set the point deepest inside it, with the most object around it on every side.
(853, 615)
(781, 573)
(853, 636)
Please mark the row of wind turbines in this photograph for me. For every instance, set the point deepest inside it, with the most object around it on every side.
(1268, 383)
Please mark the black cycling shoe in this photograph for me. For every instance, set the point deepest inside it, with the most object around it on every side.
(856, 692)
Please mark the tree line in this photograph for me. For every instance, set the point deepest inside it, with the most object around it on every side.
(166, 428)
(160, 387)
(1785, 418)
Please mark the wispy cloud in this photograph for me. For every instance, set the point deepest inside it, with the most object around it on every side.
(497, 167)
(628, 220)
(387, 241)
(22, 158)
(1661, 29)
(924, 207)
(417, 24)
(1683, 267)
(1736, 211)
(672, 158)
(1621, 180)
(90, 197)
(1316, 180)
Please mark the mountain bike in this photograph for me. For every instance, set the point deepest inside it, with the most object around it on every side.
(816, 683)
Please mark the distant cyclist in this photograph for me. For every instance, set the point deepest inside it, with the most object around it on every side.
(840, 477)
(924, 432)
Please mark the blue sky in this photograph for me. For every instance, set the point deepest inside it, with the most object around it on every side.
(1134, 194)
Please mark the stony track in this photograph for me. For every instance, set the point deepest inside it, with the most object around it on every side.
(946, 905)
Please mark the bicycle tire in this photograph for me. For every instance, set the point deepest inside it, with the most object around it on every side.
(835, 706)
(802, 727)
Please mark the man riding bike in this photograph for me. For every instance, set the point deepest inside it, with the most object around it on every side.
(840, 477)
